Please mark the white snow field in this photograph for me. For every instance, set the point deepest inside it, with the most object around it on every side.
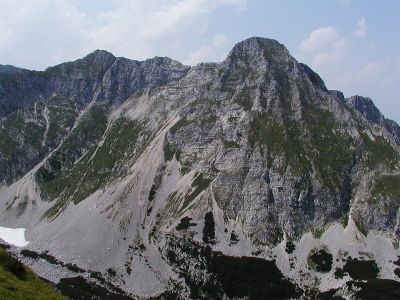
(15, 237)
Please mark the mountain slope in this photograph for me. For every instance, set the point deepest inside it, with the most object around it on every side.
(125, 165)
(17, 282)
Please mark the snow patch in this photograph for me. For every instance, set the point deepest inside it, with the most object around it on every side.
(14, 237)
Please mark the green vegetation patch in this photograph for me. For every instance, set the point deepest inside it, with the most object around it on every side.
(199, 184)
(81, 288)
(230, 144)
(93, 124)
(202, 120)
(311, 144)
(200, 102)
(99, 165)
(243, 97)
(208, 120)
(386, 186)
(320, 260)
(360, 224)
(209, 228)
(251, 278)
(374, 289)
(185, 223)
(20, 141)
(379, 152)
(318, 232)
(8, 148)
(120, 144)
(60, 118)
(82, 69)
(290, 247)
(280, 139)
(8, 80)
(82, 139)
(330, 150)
(279, 72)
(241, 70)
(19, 126)
(184, 122)
(19, 283)
(345, 220)
(170, 151)
(234, 277)
(361, 269)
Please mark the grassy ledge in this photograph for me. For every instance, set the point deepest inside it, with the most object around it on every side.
(19, 283)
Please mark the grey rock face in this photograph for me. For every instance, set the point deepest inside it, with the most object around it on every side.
(9, 69)
(139, 153)
(99, 77)
(368, 109)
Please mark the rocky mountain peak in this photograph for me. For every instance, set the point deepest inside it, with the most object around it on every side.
(163, 63)
(256, 50)
(369, 111)
(99, 56)
(338, 94)
(254, 46)
(366, 107)
(92, 65)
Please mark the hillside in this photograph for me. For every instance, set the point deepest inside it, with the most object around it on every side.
(19, 283)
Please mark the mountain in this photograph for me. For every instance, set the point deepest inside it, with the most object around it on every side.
(245, 178)
(9, 69)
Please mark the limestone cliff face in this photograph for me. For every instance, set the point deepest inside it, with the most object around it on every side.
(38, 109)
(244, 156)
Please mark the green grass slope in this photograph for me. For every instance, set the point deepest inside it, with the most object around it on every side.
(19, 283)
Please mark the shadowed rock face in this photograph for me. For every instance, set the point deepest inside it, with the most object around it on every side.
(9, 69)
(367, 108)
(119, 154)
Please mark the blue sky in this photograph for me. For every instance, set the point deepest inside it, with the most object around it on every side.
(353, 44)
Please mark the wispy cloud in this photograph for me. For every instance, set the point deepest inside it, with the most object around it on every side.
(375, 74)
(332, 55)
(214, 51)
(361, 29)
(34, 31)
(378, 79)
(56, 30)
(324, 46)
